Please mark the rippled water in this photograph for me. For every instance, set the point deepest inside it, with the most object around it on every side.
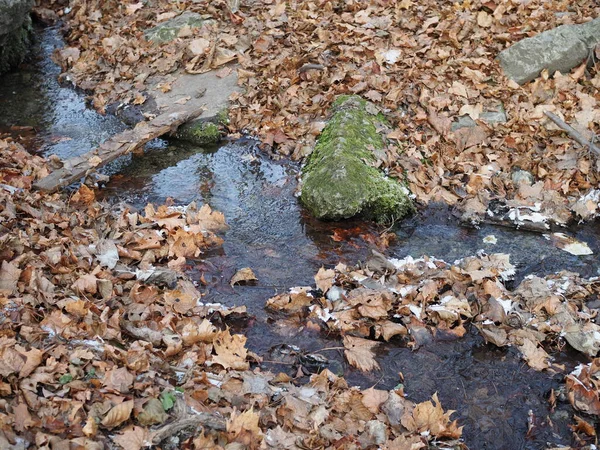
(492, 390)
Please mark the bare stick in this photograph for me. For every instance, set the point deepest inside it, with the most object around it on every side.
(576, 135)
(204, 420)
(120, 144)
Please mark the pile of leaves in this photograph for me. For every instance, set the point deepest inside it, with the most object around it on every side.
(106, 343)
(424, 64)
(414, 301)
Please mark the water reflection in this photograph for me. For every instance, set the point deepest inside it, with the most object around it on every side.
(33, 105)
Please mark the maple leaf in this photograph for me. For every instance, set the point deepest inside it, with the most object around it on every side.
(119, 380)
(429, 416)
(230, 351)
(359, 353)
(9, 276)
(244, 428)
(324, 279)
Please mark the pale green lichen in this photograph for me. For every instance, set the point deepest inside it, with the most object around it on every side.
(339, 180)
(169, 30)
(199, 132)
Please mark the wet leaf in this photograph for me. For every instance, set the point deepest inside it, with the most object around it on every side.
(243, 276)
(359, 353)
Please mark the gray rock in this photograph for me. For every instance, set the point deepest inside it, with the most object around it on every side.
(339, 180)
(203, 89)
(559, 49)
(15, 32)
(492, 116)
(169, 29)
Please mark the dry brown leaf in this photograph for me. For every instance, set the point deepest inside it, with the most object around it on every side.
(324, 279)
(133, 438)
(118, 414)
(359, 353)
(230, 351)
(243, 276)
(429, 416)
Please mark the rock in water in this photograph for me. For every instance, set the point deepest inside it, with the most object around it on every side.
(339, 180)
(15, 32)
(561, 48)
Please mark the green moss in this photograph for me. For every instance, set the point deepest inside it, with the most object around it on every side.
(15, 47)
(339, 180)
(222, 117)
(199, 132)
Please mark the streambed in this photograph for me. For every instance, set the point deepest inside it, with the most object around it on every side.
(500, 401)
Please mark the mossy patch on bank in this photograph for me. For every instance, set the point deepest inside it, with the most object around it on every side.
(339, 180)
(15, 46)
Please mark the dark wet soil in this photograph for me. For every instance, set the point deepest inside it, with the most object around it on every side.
(500, 401)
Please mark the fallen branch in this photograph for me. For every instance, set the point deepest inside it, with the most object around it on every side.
(184, 421)
(576, 135)
(80, 166)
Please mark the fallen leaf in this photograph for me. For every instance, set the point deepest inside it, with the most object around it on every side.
(243, 276)
(118, 414)
(359, 353)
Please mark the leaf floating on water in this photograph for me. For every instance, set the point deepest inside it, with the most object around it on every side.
(244, 276)
(429, 416)
(569, 244)
(359, 353)
(490, 239)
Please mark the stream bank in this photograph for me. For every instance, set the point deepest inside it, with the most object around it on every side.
(492, 390)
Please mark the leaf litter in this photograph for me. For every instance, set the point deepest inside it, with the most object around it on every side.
(426, 65)
(101, 322)
(106, 343)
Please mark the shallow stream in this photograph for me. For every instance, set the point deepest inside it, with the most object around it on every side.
(492, 390)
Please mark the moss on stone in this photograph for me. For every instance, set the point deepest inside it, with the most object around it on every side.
(339, 180)
(222, 117)
(15, 46)
(200, 132)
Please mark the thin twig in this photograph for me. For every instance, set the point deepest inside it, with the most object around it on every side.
(572, 132)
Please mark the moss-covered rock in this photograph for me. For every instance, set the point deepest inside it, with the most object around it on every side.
(169, 30)
(203, 131)
(15, 32)
(339, 180)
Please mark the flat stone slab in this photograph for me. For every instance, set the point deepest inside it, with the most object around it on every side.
(169, 29)
(560, 49)
(205, 90)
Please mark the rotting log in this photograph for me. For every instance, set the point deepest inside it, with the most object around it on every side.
(340, 179)
(126, 142)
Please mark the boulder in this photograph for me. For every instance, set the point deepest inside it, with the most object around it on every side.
(340, 179)
(168, 30)
(560, 49)
(15, 32)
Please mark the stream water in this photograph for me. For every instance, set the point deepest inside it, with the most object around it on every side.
(492, 390)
